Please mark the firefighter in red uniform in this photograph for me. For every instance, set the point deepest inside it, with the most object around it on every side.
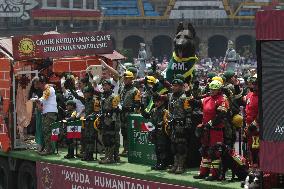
(251, 132)
(215, 108)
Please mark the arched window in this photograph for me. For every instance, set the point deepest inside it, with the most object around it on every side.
(65, 3)
(78, 4)
(51, 3)
(90, 4)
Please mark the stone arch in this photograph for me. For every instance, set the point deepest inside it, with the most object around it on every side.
(217, 46)
(245, 43)
(162, 45)
(113, 43)
(132, 43)
(197, 41)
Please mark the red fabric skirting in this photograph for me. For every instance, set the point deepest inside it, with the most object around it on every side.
(272, 156)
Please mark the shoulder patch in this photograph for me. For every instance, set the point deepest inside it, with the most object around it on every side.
(137, 96)
(115, 101)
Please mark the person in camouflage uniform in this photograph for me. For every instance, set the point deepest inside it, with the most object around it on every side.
(147, 94)
(107, 121)
(159, 116)
(88, 137)
(180, 122)
(70, 116)
(234, 94)
(130, 103)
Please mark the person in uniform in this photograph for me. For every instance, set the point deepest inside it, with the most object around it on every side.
(107, 121)
(252, 127)
(210, 132)
(149, 82)
(180, 122)
(88, 135)
(130, 103)
(47, 103)
(71, 115)
(234, 94)
(159, 117)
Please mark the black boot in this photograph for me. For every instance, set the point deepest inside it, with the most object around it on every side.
(162, 165)
(181, 165)
(174, 167)
(90, 156)
(155, 167)
(86, 156)
(70, 154)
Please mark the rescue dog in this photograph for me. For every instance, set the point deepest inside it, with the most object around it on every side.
(252, 180)
(230, 160)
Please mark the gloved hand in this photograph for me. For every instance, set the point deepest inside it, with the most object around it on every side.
(208, 125)
(199, 130)
(252, 128)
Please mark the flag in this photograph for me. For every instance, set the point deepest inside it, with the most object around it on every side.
(54, 134)
(135, 124)
(146, 127)
(5, 142)
(74, 131)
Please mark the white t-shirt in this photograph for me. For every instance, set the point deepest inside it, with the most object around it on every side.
(48, 100)
(79, 105)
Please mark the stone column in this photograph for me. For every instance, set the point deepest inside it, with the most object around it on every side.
(84, 5)
(95, 4)
(71, 4)
(58, 4)
(148, 48)
(44, 3)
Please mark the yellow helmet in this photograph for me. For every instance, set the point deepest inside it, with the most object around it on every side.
(237, 121)
(128, 74)
(151, 79)
(217, 78)
(215, 85)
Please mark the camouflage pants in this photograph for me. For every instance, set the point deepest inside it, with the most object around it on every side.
(47, 120)
(82, 141)
(89, 137)
(124, 129)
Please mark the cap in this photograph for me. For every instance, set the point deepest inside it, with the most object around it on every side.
(151, 79)
(179, 76)
(71, 103)
(132, 69)
(229, 74)
(210, 75)
(128, 74)
(177, 81)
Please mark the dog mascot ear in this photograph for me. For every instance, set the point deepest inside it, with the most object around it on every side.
(191, 29)
(180, 28)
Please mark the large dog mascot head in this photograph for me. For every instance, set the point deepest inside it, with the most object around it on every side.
(184, 41)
